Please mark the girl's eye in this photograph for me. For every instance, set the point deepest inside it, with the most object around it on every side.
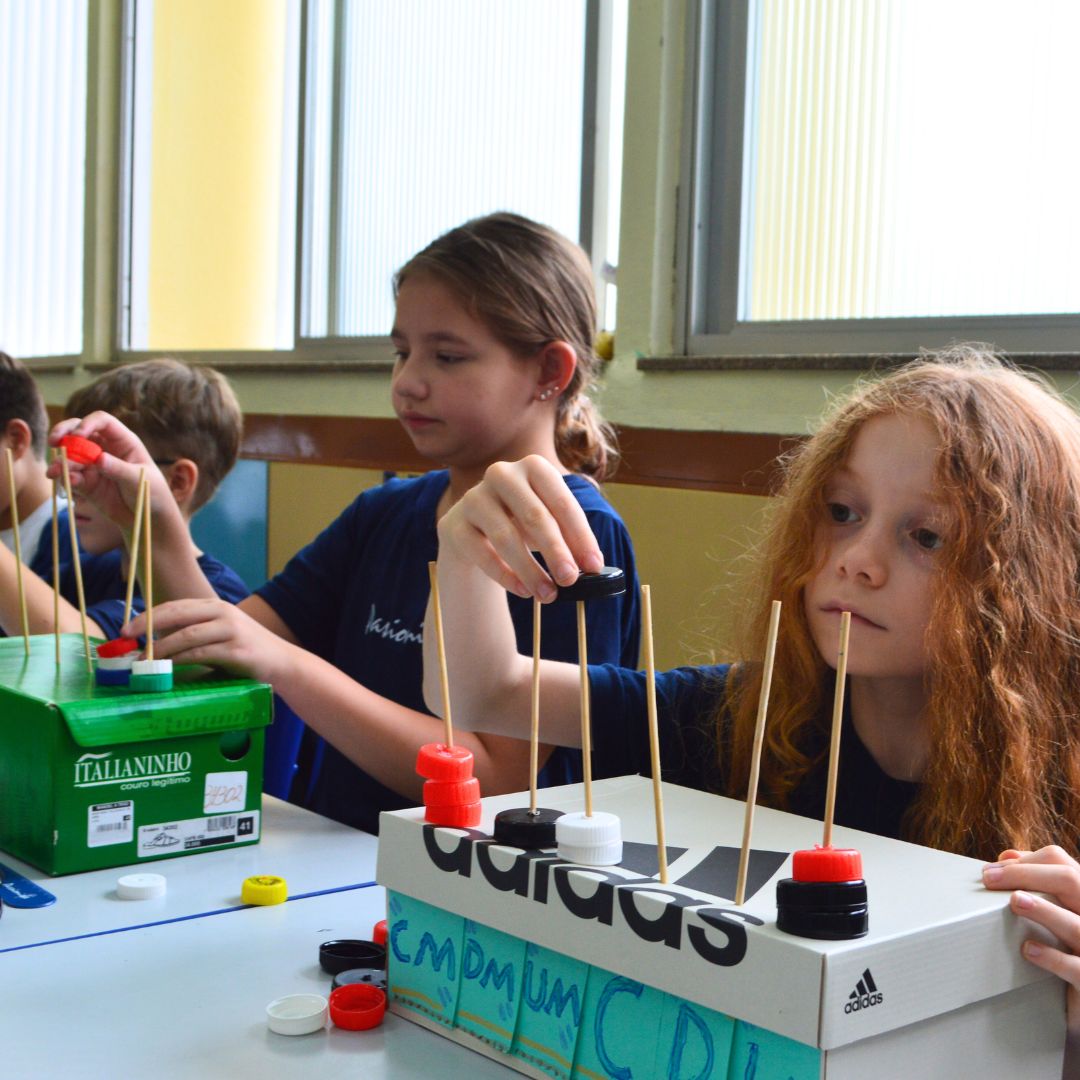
(449, 358)
(927, 539)
(400, 356)
(841, 513)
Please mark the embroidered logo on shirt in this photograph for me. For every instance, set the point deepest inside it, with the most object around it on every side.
(392, 630)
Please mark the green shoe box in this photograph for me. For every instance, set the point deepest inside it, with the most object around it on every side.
(93, 776)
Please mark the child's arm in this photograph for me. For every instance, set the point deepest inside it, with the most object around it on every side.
(377, 734)
(1050, 870)
(485, 545)
(39, 603)
(112, 484)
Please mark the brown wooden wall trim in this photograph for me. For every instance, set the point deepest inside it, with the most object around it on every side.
(729, 461)
(732, 461)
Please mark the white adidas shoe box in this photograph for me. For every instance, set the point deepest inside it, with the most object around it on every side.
(936, 989)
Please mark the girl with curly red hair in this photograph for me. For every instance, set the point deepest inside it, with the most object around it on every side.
(940, 505)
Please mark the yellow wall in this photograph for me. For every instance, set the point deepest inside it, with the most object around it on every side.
(215, 173)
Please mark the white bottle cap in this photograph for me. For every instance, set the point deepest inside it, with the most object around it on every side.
(297, 1014)
(140, 886)
(589, 841)
(151, 667)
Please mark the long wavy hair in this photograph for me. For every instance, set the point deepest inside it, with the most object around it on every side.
(530, 286)
(1003, 640)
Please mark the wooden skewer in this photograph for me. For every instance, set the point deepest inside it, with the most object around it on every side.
(135, 545)
(56, 567)
(837, 725)
(586, 727)
(755, 759)
(73, 532)
(654, 734)
(148, 571)
(534, 731)
(10, 459)
(444, 680)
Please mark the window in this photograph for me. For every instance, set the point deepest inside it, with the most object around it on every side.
(43, 60)
(422, 114)
(880, 177)
(283, 159)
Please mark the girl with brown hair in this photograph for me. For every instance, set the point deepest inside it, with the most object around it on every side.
(940, 505)
(493, 351)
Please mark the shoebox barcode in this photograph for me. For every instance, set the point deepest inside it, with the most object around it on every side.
(220, 824)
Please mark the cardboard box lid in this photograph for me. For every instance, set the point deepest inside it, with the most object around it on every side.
(200, 702)
(938, 940)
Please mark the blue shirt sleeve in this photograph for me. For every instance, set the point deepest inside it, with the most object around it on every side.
(690, 722)
(105, 588)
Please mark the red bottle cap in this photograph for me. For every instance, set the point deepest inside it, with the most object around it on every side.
(357, 1006)
(379, 932)
(462, 816)
(120, 646)
(827, 864)
(451, 792)
(81, 450)
(436, 761)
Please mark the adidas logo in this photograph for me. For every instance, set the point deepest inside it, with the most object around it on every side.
(864, 995)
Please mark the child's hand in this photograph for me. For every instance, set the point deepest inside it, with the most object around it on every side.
(519, 508)
(1050, 870)
(217, 633)
(112, 482)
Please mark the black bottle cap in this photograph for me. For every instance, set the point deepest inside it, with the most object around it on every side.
(370, 976)
(336, 956)
(827, 910)
(522, 828)
(608, 581)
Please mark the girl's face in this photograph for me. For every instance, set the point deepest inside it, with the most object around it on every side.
(881, 541)
(463, 397)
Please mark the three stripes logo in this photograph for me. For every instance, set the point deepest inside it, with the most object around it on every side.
(864, 995)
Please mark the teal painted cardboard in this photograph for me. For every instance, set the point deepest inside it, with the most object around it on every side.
(552, 1001)
(619, 1028)
(492, 968)
(424, 957)
(694, 1042)
(760, 1054)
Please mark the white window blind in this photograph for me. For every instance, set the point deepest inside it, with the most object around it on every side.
(445, 111)
(910, 158)
(43, 55)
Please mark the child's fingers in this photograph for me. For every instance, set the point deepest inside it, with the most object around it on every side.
(1050, 870)
(1065, 965)
(1061, 922)
(176, 614)
(489, 537)
(536, 512)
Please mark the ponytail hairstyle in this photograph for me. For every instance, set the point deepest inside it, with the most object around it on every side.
(1003, 640)
(530, 286)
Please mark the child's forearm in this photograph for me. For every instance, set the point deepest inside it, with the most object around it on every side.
(177, 574)
(382, 737)
(39, 603)
(490, 682)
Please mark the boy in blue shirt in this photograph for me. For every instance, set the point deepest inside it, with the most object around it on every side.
(189, 420)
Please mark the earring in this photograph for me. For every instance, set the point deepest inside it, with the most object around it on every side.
(545, 394)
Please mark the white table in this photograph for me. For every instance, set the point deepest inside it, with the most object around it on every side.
(312, 853)
(188, 999)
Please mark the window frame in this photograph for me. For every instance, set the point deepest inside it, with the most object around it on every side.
(709, 245)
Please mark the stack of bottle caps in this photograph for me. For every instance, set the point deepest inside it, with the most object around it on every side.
(451, 792)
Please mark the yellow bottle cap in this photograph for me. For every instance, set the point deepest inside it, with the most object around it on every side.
(264, 889)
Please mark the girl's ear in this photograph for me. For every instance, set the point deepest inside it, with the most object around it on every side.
(558, 362)
(183, 478)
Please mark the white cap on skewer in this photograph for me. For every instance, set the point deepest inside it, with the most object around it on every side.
(594, 840)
